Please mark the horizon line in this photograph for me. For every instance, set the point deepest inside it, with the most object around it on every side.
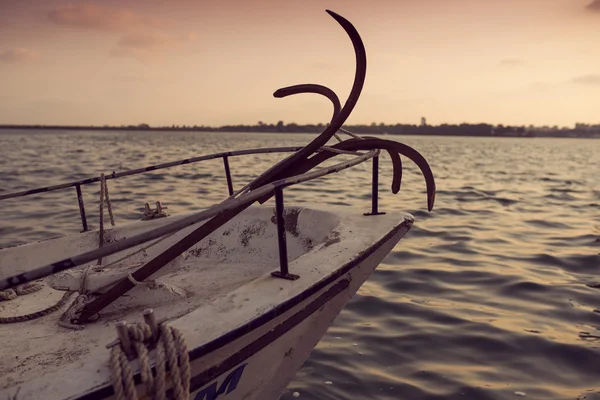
(282, 123)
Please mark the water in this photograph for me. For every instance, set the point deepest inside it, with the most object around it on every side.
(487, 296)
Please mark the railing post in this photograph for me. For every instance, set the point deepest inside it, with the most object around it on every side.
(375, 189)
(281, 240)
(228, 175)
(81, 208)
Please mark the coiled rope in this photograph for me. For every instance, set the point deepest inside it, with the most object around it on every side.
(11, 294)
(171, 352)
(37, 314)
(83, 298)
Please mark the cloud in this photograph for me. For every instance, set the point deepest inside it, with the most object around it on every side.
(141, 37)
(143, 40)
(127, 78)
(138, 54)
(18, 55)
(543, 86)
(594, 6)
(92, 16)
(591, 79)
(511, 62)
(143, 46)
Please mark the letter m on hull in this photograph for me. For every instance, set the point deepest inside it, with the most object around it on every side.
(213, 391)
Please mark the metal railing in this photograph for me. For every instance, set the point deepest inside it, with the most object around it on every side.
(243, 200)
(116, 175)
(292, 170)
(224, 155)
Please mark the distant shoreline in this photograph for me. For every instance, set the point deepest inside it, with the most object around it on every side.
(464, 130)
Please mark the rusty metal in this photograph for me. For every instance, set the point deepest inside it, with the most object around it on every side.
(371, 143)
(161, 231)
(198, 234)
(269, 176)
(292, 170)
(311, 88)
(375, 189)
(283, 272)
(330, 94)
(116, 175)
(81, 208)
(338, 120)
(228, 175)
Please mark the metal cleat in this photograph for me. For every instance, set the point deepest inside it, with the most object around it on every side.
(159, 212)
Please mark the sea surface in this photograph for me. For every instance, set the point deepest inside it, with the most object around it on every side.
(490, 296)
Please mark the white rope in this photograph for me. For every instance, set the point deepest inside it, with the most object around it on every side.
(133, 280)
(74, 311)
(11, 294)
(338, 151)
(171, 351)
(8, 294)
(246, 189)
(79, 303)
(355, 136)
(82, 287)
(347, 132)
(82, 299)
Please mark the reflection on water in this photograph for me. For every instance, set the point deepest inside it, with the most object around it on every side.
(486, 296)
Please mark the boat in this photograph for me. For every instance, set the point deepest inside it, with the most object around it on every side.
(225, 302)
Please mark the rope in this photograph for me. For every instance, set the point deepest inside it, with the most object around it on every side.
(355, 136)
(73, 312)
(171, 351)
(82, 287)
(27, 288)
(65, 320)
(121, 375)
(245, 189)
(133, 280)
(80, 301)
(8, 294)
(347, 132)
(338, 151)
(37, 314)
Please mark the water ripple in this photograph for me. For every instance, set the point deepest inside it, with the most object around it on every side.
(493, 293)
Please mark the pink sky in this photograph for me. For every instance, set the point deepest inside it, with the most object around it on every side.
(218, 62)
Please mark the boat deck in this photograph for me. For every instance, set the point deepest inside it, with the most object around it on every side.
(219, 284)
(239, 252)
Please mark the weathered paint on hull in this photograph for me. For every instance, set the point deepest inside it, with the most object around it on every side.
(282, 320)
(264, 361)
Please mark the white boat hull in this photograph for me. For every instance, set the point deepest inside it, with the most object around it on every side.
(266, 374)
(246, 342)
(252, 291)
(261, 363)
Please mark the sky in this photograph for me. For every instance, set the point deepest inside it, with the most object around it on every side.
(200, 62)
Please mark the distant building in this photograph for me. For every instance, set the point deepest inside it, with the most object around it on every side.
(423, 121)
